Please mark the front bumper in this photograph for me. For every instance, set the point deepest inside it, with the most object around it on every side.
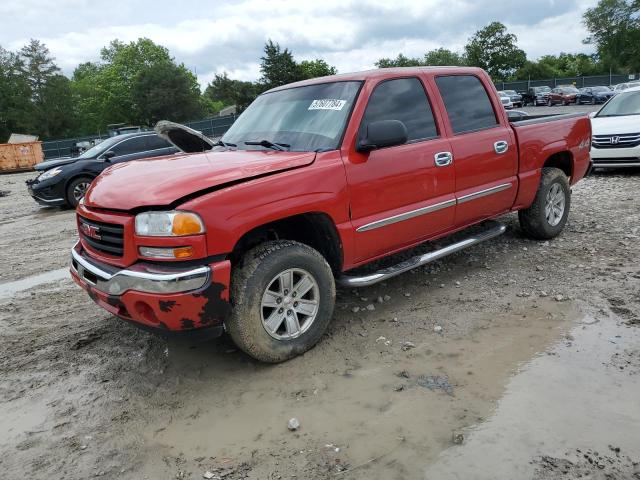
(615, 157)
(166, 298)
(46, 193)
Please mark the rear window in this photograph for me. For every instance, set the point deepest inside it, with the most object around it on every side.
(467, 103)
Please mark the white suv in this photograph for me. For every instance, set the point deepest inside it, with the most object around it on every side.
(616, 131)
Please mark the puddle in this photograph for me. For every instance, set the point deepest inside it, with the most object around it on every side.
(401, 408)
(559, 409)
(11, 288)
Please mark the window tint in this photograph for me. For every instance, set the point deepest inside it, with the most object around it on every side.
(467, 103)
(154, 142)
(132, 145)
(402, 99)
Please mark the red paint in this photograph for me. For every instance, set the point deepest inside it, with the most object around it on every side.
(251, 188)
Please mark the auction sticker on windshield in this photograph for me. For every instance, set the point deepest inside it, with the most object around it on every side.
(327, 104)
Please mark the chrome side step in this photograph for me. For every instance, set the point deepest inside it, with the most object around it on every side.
(494, 229)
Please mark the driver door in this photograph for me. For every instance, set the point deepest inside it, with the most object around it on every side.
(399, 194)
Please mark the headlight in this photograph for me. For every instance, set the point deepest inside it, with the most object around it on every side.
(168, 224)
(50, 173)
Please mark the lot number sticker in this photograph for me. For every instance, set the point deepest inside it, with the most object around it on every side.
(327, 104)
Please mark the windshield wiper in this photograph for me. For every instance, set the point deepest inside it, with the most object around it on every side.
(225, 144)
(269, 144)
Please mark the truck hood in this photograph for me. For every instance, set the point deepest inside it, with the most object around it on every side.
(164, 180)
(615, 125)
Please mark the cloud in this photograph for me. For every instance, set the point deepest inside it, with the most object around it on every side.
(210, 38)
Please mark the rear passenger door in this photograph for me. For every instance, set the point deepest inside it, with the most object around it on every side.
(484, 151)
(398, 194)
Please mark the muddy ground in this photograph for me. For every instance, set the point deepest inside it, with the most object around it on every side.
(524, 362)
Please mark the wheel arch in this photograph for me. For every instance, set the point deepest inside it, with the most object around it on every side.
(562, 160)
(315, 229)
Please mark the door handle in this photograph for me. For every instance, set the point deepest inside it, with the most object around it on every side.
(443, 159)
(501, 146)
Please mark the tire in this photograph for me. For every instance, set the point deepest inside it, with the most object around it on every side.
(537, 221)
(549, 102)
(75, 187)
(260, 272)
(593, 100)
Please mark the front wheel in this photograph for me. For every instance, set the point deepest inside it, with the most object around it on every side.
(76, 190)
(549, 103)
(283, 297)
(547, 215)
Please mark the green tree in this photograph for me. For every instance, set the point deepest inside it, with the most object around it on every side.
(55, 109)
(443, 57)
(614, 28)
(316, 68)
(37, 66)
(16, 109)
(231, 92)
(495, 50)
(165, 91)
(399, 61)
(278, 67)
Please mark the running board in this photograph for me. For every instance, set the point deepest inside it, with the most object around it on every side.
(493, 230)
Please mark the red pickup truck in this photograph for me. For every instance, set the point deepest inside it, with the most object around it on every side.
(252, 233)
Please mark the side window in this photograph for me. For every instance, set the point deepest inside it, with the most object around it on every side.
(154, 142)
(467, 103)
(132, 145)
(401, 99)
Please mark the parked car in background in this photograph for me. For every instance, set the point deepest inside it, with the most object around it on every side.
(536, 96)
(64, 181)
(594, 95)
(505, 99)
(252, 236)
(516, 98)
(562, 96)
(616, 131)
(621, 87)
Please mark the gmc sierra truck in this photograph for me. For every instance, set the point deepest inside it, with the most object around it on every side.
(252, 233)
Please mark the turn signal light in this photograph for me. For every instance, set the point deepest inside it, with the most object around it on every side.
(186, 224)
(163, 253)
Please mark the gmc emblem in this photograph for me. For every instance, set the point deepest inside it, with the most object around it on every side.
(90, 231)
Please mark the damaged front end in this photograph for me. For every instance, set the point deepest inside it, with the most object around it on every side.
(168, 299)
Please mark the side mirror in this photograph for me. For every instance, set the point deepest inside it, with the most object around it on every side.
(384, 133)
(108, 155)
(592, 114)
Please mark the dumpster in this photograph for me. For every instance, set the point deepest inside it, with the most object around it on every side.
(17, 157)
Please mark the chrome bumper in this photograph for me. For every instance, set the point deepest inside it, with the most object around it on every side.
(141, 277)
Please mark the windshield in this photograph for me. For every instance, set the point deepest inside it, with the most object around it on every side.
(542, 89)
(623, 104)
(96, 150)
(303, 119)
(569, 90)
(601, 89)
(510, 92)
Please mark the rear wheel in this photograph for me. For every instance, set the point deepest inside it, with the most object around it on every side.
(547, 215)
(76, 190)
(283, 297)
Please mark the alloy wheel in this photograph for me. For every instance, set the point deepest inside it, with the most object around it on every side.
(554, 205)
(290, 304)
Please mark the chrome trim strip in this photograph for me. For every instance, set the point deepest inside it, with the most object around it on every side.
(493, 230)
(48, 201)
(615, 165)
(483, 193)
(140, 277)
(407, 215)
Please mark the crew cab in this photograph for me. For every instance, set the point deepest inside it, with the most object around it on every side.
(312, 183)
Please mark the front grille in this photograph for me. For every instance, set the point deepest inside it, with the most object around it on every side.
(623, 140)
(107, 238)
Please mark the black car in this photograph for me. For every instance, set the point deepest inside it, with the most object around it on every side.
(594, 95)
(64, 181)
(536, 96)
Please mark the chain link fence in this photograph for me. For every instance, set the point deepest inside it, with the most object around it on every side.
(579, 82)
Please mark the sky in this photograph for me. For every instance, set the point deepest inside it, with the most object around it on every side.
(218, 36)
